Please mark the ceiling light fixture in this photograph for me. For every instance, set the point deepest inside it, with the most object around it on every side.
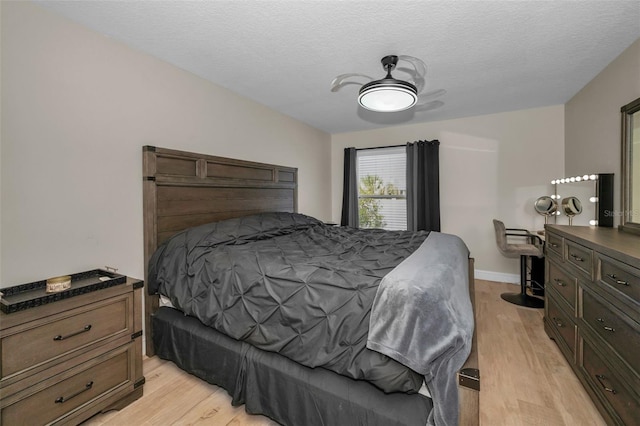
(388, 94)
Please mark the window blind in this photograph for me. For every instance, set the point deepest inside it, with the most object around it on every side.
(382, 188)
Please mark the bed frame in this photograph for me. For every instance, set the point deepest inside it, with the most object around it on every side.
(183, 189)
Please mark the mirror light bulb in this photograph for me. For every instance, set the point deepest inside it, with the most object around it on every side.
(572, 179)
(585, 177)
(593, 177)
(553, 182)
(593, 222)
(593, 199)
(578, 178)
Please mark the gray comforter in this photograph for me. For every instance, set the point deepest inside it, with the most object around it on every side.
(290, 284)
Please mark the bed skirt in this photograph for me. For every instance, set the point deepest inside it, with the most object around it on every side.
(272, 385)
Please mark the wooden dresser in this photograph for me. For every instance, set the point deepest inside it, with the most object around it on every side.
(592, 311)
(65, 361)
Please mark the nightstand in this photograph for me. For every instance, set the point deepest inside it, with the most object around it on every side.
(65, 361)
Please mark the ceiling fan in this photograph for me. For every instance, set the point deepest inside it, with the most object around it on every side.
(389, 94)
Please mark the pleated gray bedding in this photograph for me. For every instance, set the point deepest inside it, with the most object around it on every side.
(288, 283)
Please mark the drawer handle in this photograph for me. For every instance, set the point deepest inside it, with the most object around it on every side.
(63, 399)
(554, 245)
(558, 322)
(577, 258)
(559, 282)
(600, 378)
(84, 330)
(605, 327)
(613, 277)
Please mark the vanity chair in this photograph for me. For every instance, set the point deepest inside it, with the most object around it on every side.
(533, 247)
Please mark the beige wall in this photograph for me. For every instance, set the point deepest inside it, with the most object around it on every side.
(634, 204)
(592, 119)
(491, 166)
(76, 109)
(0, 150)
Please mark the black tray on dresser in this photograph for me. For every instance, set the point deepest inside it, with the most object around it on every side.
(30, 295)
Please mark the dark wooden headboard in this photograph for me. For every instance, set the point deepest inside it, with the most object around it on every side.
(184, 189)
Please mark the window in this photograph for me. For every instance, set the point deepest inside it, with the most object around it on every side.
(382, 188)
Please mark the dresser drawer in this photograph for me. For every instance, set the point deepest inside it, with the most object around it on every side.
(553, 243)
(39, 342)
(562, 323)
(564, 284)
(581, 257)
(622, 278)
(60, 397)
(622, 336)
(609, 386)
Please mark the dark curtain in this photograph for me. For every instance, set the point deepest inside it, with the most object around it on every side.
(423, 186)
(350, 190)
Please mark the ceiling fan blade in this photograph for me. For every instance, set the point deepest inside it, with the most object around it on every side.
(432, 94)
(345, 79)
(418, 72)
(428, 106)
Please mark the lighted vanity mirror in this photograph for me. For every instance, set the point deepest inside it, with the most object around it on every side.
(594, 192)
(630, 185)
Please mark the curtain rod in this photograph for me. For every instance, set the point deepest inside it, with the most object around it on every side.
(381, 147)
(397, 146)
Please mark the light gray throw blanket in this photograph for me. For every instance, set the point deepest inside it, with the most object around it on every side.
(422, 317)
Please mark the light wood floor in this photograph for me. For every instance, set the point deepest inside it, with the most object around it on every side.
(524, 378)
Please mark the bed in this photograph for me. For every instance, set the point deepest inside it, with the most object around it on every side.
(222, 211)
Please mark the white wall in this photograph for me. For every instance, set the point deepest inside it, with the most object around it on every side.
(491, 166)
(592, 119)
(76, 109)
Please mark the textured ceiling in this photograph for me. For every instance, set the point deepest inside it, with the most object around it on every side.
(490, 56)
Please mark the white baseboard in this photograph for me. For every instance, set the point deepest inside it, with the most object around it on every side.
(500, 277)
